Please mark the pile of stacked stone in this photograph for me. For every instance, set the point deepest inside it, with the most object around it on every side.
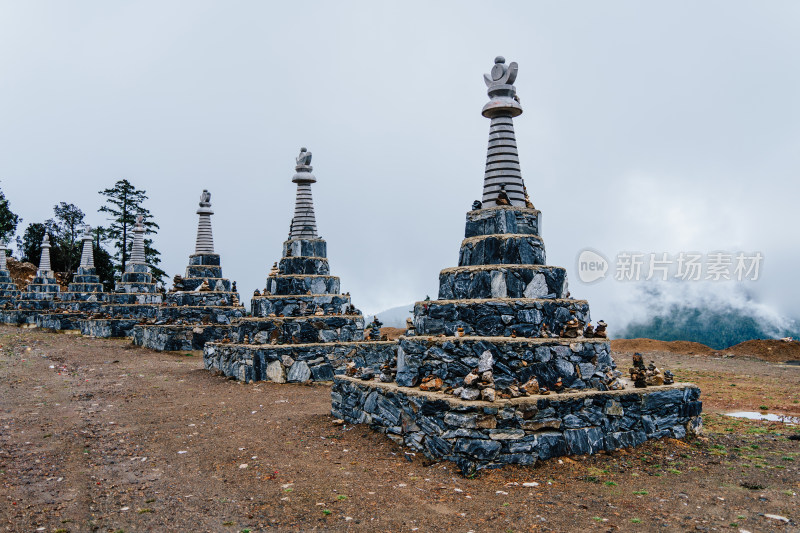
(84, 296)
(39, 296)
(302, 328)
(135, 298)
(8, 290)
(201, 306)
(505, 366)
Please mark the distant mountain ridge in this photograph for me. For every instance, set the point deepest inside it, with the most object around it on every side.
(395, 317)
(718, 328)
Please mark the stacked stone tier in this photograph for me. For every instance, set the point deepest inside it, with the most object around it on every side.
(135, 310)
(83, 291)
(295, 284)
(8, 289)
(202, 298)
(303, 265)
(497, 317)
(295, 363)
(41, 288)
(502, 220)
(60, 321)
(108, 327)
(502, 281)
(305, 248)
(270, 304)
(502, 249)
(167, 337)
(480, 434)
(205, 267)
(85, 280)
(40, 295)
(133, 298)
(579, 363)
(200, 314)
(300, 330)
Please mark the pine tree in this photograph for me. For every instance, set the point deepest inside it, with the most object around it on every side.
(8, 220)
(65, 233)
(123, 204)
(30, 244)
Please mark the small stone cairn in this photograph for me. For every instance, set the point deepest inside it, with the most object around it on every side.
(201, 305)
(302, 327)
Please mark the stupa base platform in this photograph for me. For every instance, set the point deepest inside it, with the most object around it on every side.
(477, 435)
(108, 327)
(9, 316)
(173, 338)
(21, 317)
(60, 321)
(197, 314)
(295, 363)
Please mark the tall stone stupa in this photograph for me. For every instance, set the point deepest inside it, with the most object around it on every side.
(505, 367)
(201, 305)
(302, 327)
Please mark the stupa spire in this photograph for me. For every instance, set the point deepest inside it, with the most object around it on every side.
(304, 223)
(44, 261)
(503, 174)
(87, 252)
(137, 253)
(205, 239)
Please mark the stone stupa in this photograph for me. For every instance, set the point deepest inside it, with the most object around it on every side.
(505, 367)
(83, 296)
(40, 294)
(134, 300)
(302, 327)
(201, 305)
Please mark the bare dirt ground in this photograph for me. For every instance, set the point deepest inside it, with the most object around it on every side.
(773, 350)
(97, 435)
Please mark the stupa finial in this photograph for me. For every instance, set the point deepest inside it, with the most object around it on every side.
(304, 223)
(502, 181)
(44, 262)
(137, 253)
(205, 238)
(87, 252)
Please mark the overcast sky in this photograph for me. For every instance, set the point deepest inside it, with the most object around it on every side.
(647, 126)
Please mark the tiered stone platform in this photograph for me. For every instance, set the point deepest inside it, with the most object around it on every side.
(505, 368)
(302, 327)
(479, 434)
(9, 292)
(189, 318)
(285, 341)
(202, 304)
(83, 297)
(135, 300)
